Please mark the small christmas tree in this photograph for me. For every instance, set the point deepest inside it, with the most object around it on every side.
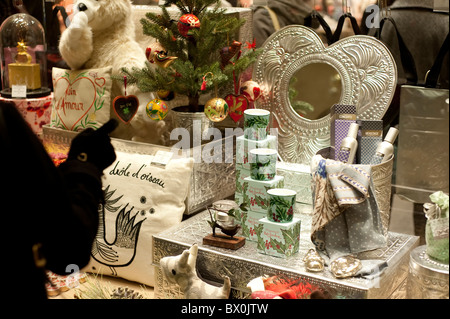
(194, 48)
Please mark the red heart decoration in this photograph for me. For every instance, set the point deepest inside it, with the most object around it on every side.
(237, 104)
(125, 107)
(100, 81)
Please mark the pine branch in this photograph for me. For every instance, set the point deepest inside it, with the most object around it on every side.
(196, 55)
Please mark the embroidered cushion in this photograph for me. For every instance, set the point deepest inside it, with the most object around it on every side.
(141, 200)
(81, 98)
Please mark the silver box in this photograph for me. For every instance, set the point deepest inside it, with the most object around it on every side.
(427, 278)
(246, 263)
(209, 181)
(298, 178)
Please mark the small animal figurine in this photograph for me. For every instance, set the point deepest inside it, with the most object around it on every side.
(227, 228)
(181, 270)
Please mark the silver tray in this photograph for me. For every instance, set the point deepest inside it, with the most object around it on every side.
(246, 263)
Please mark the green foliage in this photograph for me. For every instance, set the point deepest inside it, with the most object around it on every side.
(291, 242)
(260, 240)
(245, 229)
(301, 107)
(196, 55)
(257, 122)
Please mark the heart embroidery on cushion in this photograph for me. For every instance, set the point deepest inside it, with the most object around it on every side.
(76, 99)
(238, 104)
(100, 81)
(125, 107)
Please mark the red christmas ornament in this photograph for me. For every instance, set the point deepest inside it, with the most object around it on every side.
(237, 104)
(186, 23)
(251, 90)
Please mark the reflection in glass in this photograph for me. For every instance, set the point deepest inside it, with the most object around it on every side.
(313, 89)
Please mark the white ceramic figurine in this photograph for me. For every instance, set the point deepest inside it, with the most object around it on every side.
(182, 271)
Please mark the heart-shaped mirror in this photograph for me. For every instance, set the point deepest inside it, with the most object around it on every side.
(301, 79)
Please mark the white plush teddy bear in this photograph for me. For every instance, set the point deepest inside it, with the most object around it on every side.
(101, 34)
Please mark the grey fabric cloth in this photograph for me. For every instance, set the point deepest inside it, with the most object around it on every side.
(357, 228)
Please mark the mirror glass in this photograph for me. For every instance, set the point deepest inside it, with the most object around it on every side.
(313, 89)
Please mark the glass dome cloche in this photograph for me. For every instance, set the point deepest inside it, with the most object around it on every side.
(23, 53)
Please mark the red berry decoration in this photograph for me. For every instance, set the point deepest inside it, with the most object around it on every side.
(186, 23)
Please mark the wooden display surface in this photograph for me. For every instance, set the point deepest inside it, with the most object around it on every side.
(224, 241)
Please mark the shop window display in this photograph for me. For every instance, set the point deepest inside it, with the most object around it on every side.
(333, 240)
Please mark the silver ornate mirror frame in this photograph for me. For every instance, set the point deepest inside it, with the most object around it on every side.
(368, 75)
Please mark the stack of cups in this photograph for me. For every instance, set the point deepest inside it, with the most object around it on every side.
(256, 158)
(280, 234)
(277, 231)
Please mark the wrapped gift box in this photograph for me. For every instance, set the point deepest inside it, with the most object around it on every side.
(256, 192)
(244, 145)
(247, 219)
(28, 74)
(298, 178)
(278, 239)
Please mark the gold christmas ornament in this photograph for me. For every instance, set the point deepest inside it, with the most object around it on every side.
(344, 267)
(157, 109)
(313, 261)
(216, 109)
(165, 95)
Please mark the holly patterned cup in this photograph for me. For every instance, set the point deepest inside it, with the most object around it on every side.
(281, 205)
(262, 164)
(256, 124)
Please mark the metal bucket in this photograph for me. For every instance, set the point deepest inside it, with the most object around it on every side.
(381, 175)
(196, 123)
